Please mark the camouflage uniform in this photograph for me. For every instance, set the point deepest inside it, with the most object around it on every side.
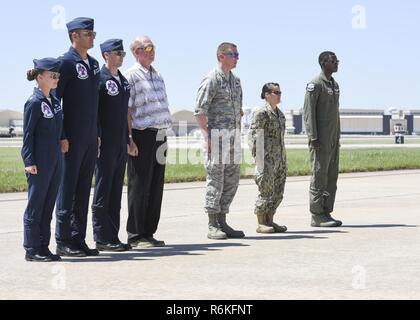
(322, 121)
(267, 130)
(220, 99)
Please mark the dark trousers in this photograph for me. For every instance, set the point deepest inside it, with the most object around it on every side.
(109, 181)
(74, 194)
(146, 175)
(42, 193)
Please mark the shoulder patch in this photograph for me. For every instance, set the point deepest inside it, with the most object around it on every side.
(112, 88)
(46, 111)
(82, 72)
(310, 87)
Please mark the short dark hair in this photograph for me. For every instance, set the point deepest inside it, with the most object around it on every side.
(268, 88)
(324, 56)
(71, 34)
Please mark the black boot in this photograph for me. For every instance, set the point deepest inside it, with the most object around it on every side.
(230, 232)
(324, 221)
(277, 228)
(340, 223)
(54, 257)
(65, 251)
(37, 258)
(89, 252)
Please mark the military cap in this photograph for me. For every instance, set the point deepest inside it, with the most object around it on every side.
(112, 45)
(47, 64)
(81, 24)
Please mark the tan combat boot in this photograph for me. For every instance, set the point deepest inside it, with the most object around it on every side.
(215, 230)
(277, 228)
(262, 225)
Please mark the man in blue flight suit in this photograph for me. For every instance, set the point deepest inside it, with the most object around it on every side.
(79, 89)
(114, 93)
(41, 154)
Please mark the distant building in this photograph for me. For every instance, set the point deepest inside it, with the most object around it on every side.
(413, 121)
(11, 123)
(369, 121)
(184, 123)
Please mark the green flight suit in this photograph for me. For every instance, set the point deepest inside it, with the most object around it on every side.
(322, 122)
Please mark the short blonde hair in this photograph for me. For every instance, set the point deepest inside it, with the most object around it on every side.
(225, 46)
(137, 43)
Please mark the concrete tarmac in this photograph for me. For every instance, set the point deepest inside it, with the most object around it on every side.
(374, 255)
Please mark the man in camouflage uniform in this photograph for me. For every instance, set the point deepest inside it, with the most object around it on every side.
(322, 121)
(219, 112)
(266, 141)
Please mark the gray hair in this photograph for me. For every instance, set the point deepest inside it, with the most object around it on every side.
(137, 43)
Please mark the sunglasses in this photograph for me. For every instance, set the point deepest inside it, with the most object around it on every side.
(88, 33)
(234, 55)
(120, 53)
(334, 61)
(277, 93)
(54, 75)
(149, 48)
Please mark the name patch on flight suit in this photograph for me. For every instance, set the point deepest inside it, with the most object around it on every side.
(82, 73)
(337, 91)
(112, 88)
(57, 108)
(46, 111)
(97, 70)
(330, 91)
(310, 87)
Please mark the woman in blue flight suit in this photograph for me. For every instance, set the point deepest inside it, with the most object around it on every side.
(41, 154)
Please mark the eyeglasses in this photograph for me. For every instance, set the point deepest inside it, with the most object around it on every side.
(277, 93)
(120, 53)
(54, 75)
(233, 55)
(89, 33)
(149, 48)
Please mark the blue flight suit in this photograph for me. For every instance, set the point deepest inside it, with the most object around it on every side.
(79, 89)
(43, 125)
(110, 167)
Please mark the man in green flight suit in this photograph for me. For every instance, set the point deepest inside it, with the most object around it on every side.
(322, 122)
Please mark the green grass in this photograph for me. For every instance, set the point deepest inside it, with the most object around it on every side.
(12, 177)
(12, 174)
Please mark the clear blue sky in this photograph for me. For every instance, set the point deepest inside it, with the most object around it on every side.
(278, 41)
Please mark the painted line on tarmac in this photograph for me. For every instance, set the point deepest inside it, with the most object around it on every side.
(247, 184)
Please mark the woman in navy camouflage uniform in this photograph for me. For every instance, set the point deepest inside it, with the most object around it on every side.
(269, 153)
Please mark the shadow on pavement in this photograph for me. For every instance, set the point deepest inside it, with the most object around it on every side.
(139, 254)
(380, 226)
(284, 237)
(317, 232)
